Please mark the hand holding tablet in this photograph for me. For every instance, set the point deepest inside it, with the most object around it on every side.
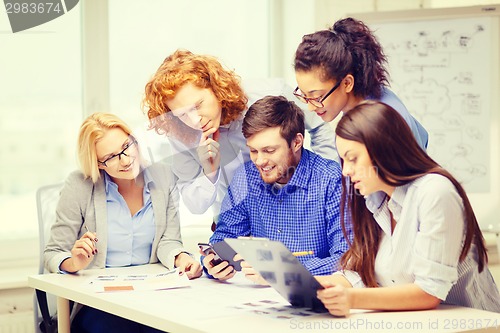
(281, 269)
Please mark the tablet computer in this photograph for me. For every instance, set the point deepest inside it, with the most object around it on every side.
(281, 269)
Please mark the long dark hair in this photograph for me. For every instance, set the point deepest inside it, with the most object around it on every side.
(398, 158)
(349, 47)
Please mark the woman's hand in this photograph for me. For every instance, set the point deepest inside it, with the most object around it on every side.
(336, 298)
(209, 153)
(82, 253)
(186, 264)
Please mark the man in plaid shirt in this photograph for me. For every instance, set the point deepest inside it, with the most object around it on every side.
(286, 193)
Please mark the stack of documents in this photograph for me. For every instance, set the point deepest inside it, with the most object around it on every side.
(138, 282)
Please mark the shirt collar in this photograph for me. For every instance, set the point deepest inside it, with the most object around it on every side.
(300, 177)
(148, 180)
(108, 183)
(377, 203)
(397, 200)
(374, 201)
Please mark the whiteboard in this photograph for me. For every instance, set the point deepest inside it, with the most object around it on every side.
(444, 65)
(438, 70)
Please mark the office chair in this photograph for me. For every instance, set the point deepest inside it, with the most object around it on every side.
(44, 306)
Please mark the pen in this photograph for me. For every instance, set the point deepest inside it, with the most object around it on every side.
(95, 239)
(87, 229)
(302, 253)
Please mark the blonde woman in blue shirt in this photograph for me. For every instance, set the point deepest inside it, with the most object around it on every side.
(115, 212)
(418, 246)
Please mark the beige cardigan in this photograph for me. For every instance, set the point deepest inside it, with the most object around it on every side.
(83, 203)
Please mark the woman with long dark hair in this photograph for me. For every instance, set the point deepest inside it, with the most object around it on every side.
(418, 245)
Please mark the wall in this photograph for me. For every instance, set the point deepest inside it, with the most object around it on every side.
(235, 32)
(300, 19)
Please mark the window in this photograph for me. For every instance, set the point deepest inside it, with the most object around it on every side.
(40, 111)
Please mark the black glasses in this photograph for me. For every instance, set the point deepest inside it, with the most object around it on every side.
(318, 101)
(113, 159)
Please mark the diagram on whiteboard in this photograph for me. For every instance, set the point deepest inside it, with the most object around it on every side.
(441, 70)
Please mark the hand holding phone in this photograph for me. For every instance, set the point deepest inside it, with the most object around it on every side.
(222, 252)
(208, 249)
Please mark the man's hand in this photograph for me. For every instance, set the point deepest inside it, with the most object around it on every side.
(250, 272)
(221, 271)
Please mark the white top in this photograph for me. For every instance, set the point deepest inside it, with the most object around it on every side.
(198, 192)
(426, 243)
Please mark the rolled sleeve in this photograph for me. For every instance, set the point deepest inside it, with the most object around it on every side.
(439, 239)
(434, 278)
(353, 278)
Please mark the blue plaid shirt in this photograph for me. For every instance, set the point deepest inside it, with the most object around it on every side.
(304, 214)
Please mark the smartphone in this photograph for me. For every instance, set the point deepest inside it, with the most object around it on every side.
(208, 249)
(222, 252)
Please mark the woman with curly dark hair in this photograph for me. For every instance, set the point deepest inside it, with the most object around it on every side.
(338, 68)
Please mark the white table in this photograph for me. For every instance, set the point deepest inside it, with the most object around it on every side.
(212, 306)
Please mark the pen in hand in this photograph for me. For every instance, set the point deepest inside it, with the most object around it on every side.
(94, 240)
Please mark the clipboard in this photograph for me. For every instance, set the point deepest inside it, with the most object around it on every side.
(281, 269)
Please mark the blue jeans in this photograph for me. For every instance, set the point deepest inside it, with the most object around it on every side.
(90, 320)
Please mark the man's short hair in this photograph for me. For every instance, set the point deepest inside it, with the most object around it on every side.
(274, 111)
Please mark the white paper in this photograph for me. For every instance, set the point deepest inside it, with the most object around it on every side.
(138, 282)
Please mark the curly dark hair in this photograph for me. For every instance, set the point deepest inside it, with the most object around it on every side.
(349, 47)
